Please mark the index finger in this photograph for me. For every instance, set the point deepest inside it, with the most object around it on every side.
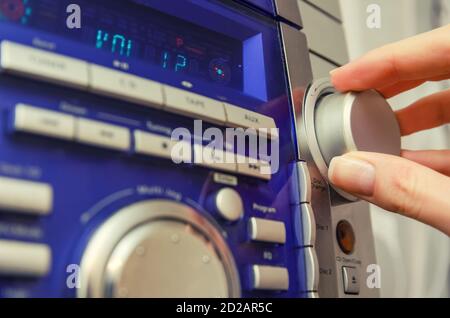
(421, 57)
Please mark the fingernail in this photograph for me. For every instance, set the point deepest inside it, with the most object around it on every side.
(352, 175)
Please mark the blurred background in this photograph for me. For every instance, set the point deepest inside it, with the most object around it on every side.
(414, 258)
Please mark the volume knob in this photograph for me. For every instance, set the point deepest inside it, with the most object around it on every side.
(337, 123)
(355, 122)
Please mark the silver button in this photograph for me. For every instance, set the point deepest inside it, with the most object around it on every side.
(312, 269)
(243, 118)
(304, 182)
(269, 231)
(25, 196)
(254, 168)
(164, 147)
(24, 259)
(103, 135)
(270, 278)
(214, 158)
(44, 122)
(350, 276)
(197, 106)
(229, 205)
(125, 86)
(36, 63)
(305, 225)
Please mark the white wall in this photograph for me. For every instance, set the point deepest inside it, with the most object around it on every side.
(415, 259)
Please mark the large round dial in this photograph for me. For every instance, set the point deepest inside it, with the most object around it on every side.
(337, 123)
(158, 249)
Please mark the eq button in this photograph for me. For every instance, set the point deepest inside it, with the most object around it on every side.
(24, 259)
(25, 196)
(125, 86)
(270, 278)
(262, 230)
(44, 122)
(190, 104)
(36, 63)
(103, 135)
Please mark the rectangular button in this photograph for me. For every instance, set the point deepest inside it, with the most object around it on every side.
(197, 106)
(36, 63)
(125, 86)
(351, 280)
(270, 278)
(253, 168)
(305, 225)
(24, 259)
(25, 196)
(155, 145)
(269, 231)
(311, 267)
(304, 182)
(44, 122)
(243, 118)
(213, 158)
(103, 135)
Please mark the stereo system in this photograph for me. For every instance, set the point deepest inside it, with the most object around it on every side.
(92, 203)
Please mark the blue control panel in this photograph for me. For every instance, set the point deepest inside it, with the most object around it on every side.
(92, 203)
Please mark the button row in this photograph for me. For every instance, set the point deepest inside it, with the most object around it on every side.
(54, 124)
(24, 259)
(43, 65)
(305, 227)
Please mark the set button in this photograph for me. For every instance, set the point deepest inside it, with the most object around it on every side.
(228, 204)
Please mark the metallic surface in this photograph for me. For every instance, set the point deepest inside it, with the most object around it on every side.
(107, 264)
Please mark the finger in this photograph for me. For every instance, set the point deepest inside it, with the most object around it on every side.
(438, 160)
(429, 112)
(398, 88)
(395, 184)
(418, 58)
(401, 87)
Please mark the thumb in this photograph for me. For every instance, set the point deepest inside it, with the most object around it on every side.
(395, 184)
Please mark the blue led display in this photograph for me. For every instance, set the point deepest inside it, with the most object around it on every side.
(139, 32)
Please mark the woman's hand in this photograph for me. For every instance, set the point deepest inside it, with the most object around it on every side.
(418, 184)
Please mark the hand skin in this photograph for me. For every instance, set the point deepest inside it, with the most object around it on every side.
(417, 185)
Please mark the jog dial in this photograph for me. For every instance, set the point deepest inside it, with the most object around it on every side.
(158, 249)
(338, 123)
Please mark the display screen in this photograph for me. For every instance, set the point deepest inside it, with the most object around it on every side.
(129, 30)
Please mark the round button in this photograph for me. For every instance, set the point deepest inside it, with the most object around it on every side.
(345, 237)
(228, 204)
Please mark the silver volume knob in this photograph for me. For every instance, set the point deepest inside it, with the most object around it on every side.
(337, 123)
